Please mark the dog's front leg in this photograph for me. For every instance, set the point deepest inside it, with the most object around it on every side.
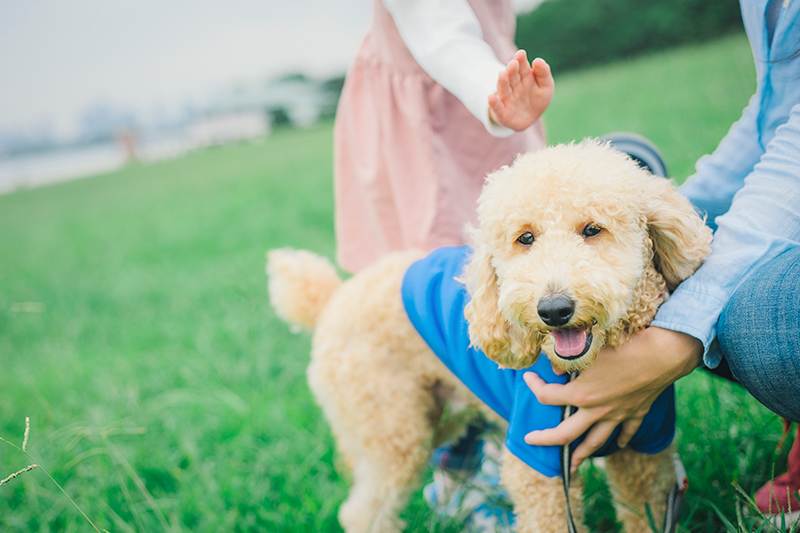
(639, 481)
(539, 502)
(376, 499)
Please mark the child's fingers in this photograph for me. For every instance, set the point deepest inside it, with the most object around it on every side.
(540, 67)
(541, 72)
(513, 72)
(503, 86)
(494, 103)
(496, 110)
(524, 67)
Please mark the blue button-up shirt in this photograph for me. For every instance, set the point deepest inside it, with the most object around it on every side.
(750, 185)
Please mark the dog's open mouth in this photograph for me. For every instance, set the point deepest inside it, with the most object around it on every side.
(571, 343)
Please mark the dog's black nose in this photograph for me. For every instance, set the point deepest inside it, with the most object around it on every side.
(555, 311)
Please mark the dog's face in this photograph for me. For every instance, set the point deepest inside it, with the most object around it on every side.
(572, 239)
(568, 263)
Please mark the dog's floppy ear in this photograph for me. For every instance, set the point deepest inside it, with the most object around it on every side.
(504, 343)
(488, 329)
(681, 240)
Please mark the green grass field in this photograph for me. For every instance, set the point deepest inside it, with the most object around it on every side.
(163, 393)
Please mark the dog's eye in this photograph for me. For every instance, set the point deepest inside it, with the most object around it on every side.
(526, 238)
(591, 230)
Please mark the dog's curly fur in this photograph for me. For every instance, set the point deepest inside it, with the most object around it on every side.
(383, 390)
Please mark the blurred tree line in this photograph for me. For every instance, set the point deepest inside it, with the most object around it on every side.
(576, 33)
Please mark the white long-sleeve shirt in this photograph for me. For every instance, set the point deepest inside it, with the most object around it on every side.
(445, 38)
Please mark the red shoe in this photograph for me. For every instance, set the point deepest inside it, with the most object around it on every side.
(779, 497)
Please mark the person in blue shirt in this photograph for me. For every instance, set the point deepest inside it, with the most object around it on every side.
(742, 307)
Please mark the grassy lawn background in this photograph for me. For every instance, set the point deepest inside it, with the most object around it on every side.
(163, 393)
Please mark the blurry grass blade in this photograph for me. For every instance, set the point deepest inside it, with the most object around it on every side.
(27, 433)
(18, 473)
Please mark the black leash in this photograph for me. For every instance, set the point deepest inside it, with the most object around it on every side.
(674, 498)
(566, 459)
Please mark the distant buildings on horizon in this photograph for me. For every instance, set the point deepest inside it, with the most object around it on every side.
(243, 111)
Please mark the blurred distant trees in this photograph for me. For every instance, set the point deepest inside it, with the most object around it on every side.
(577, 33)
(279, 117)
(333, 86)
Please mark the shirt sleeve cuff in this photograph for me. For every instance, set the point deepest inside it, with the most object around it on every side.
(694, 309)
(494, 129)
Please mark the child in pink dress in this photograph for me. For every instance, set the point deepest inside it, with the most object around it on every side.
(435, 99)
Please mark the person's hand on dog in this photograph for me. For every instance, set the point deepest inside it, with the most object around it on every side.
(523, 92)
(618, 388)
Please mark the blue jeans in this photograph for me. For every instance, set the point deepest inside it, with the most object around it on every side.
(759, 334)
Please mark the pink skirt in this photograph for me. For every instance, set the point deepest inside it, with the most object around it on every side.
(409, 158)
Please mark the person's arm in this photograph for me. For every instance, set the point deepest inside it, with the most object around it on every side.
(763, 221)
(445, 38)
(721, 174)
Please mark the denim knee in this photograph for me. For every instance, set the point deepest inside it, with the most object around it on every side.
(759, 334)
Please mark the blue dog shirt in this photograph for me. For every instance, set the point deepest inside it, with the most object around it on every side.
(434, 302)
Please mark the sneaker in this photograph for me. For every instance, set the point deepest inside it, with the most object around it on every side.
(493, 511)
(640, 150)
(466, 487)
(779, 499)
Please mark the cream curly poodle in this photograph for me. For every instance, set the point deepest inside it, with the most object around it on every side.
(576, 248)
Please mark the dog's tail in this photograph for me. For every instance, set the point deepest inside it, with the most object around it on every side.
(300, 285)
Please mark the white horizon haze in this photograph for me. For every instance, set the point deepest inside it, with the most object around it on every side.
(59, 59)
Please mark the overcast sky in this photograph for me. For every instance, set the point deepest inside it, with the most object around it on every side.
(58, 57)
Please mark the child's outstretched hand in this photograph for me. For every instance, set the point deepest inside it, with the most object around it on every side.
(523, 92)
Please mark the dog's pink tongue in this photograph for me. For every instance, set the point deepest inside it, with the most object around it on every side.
(569, 342)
